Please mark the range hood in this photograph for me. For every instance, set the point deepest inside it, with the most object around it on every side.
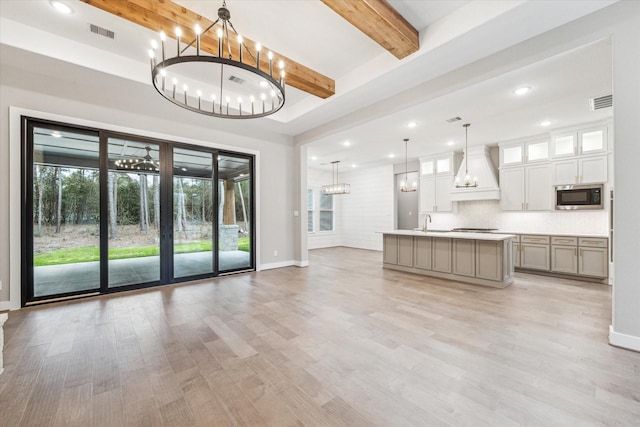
(480, 166)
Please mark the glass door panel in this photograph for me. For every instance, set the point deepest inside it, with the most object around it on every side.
(193, 213)
(65, 210)
(234, 213)
(133, 200)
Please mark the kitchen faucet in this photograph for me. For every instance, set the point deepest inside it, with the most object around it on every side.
(424, 227)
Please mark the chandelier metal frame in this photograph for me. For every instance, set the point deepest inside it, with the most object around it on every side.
(222, 107)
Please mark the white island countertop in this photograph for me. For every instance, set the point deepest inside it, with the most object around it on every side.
(451, 235)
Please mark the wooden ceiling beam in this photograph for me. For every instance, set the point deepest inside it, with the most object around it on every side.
(381, 22)
(165, 15)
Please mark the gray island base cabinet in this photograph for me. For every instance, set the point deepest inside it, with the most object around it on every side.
(478, 258)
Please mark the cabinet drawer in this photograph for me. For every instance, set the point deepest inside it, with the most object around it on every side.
(593, 242)
(565, 241)
(541, 240)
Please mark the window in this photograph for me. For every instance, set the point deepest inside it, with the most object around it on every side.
(310, 210)
(326, 212)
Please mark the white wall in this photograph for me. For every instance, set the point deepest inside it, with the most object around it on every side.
(80, 99)
(369, 208)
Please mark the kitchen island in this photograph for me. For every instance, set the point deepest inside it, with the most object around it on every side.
(478, 258)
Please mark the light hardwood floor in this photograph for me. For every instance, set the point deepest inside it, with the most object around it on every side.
(341, 343)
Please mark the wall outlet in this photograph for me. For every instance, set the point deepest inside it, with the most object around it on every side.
(275, 253)
(0, 285)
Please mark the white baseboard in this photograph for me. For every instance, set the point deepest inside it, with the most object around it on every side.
(301, 263)
(273, 265)
(6, 305)
(629, 342)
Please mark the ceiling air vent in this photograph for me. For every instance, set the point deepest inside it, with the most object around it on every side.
(453, 119)
(601, 102)
(102, 31)
(236, 80)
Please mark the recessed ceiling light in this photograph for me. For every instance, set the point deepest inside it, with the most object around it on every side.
(354, 165)
(61, 7)
(411, 124)
(545, 123)
(391, 156)
(314, 158)
(450, 143)
(522, 90)
(346, 143)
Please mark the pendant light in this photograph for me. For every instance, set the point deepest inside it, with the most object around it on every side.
(336, 187)
(468, 182)
(404, 185)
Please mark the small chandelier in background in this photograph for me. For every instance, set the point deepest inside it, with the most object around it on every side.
(468, 182)
(404, 184)
(336, 187)
(218, 85)
(144, 164)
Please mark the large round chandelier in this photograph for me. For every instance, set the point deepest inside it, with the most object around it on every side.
(223, 85)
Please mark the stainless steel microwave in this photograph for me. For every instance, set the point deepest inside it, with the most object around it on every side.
(572, 197)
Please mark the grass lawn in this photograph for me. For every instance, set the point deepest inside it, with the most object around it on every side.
(86, 254)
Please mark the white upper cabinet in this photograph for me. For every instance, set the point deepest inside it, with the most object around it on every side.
(442, 164)
(585, 141)
(591, 141)
(583, 170)
(520, 153)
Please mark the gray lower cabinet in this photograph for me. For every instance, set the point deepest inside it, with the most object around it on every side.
(489, 260)
(464, 257)
(516, 255)
(390, 249)
(564, 259)
(423, 253)
(405, 251)
(593, 262)
(534, 252)
(441, 255)
(534, 256)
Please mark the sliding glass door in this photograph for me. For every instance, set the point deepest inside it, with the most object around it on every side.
(64, 219)
(193, 213)
(108, 212)
(133, 212)
(235, 210)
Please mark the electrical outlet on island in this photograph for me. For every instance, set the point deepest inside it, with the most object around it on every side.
(275, 253)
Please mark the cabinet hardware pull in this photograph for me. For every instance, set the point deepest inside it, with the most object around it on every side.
(575, 179)
(592, 241)
(575, 252)
(580, 252)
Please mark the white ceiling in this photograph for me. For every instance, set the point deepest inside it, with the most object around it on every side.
(465, 67)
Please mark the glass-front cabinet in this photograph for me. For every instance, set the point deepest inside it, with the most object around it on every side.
(581, 142)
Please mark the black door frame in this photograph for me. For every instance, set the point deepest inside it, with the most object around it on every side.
(166, 212)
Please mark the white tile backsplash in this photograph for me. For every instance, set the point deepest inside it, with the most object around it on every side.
(487, 214)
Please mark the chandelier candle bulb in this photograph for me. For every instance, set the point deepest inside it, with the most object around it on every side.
(219, 33)
(175, 83)
(199, 99)
(258, 48)
(270, 56)
(240, 48)
(178, 34)
(198, 30)
(163, 73)
(163, 37)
